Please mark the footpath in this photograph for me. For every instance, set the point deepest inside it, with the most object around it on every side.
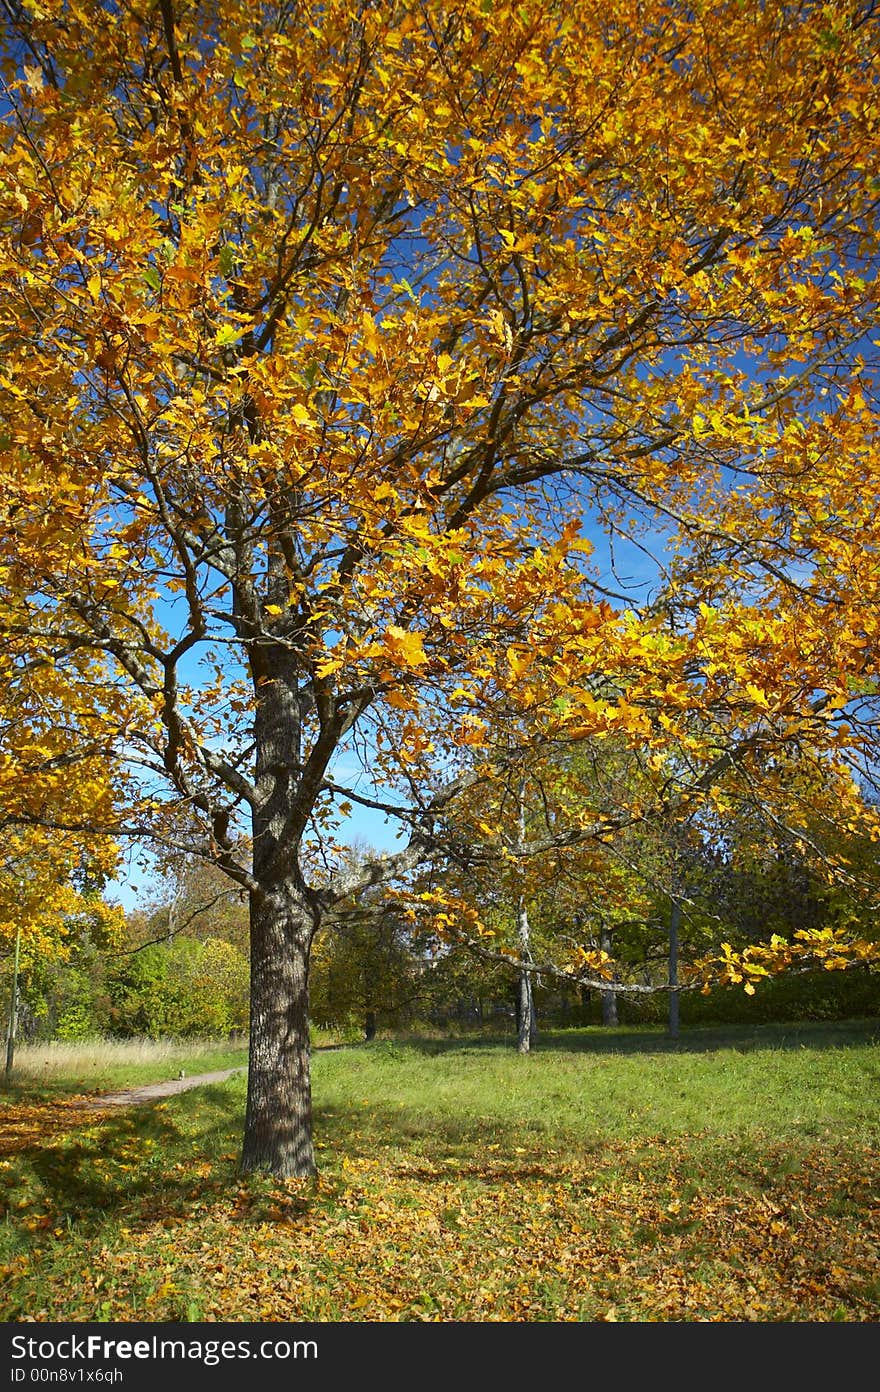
(150, 1092)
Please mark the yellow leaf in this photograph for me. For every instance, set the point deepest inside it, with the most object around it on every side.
(757, 695)
(399, 700)
(405, 647)
(519, 659)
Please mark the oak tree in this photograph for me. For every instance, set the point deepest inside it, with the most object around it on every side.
(332, 333)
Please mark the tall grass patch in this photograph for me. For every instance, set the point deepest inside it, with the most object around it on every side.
(92, 1063)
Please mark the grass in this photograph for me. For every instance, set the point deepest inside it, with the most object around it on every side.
(624, 1084)
(97, 1065)
(610, 1175)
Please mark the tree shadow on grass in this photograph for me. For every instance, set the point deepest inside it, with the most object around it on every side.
(177, 1163)
(407, 1139)
(132, 1167)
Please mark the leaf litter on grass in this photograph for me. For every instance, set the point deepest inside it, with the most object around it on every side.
(142, 1216)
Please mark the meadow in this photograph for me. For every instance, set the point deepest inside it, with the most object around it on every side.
(610, 1175)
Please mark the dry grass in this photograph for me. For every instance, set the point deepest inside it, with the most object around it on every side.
(88, 1062)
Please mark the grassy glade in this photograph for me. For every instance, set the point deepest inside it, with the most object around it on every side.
(610, 1175)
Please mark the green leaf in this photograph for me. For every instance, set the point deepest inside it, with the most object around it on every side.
(228, 259)
(227, 335)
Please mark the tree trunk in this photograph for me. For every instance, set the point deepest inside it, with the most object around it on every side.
(13, 1005)
(524, 1009)
(609, 1008)
(674, 926)
(526, 1022)
(370, 1024)
(609, 998)
(278, 1122)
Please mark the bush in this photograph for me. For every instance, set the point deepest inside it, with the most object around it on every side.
(180, 989)
(813, 995)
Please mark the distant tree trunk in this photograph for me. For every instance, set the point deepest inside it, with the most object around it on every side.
(174, 913)
(526, 1024)
(524, 1013)
(609, 998)
(13, 1005)
(674, 927)
(370, 1024)
(278, 1122)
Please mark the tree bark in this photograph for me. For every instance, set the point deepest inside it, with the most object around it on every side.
(13, 1005)
(278, 1122)
(526, 1023)
(674, 926)
(609, 998)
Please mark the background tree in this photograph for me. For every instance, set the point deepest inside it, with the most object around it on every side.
(52, 914)
(322, 327)
(366, 972)
(183, 987)
(192, 898)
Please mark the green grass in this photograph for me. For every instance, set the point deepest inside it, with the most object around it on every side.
(609, 1175)
(625, 1084)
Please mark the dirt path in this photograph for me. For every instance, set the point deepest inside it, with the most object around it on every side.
(150, 1092)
